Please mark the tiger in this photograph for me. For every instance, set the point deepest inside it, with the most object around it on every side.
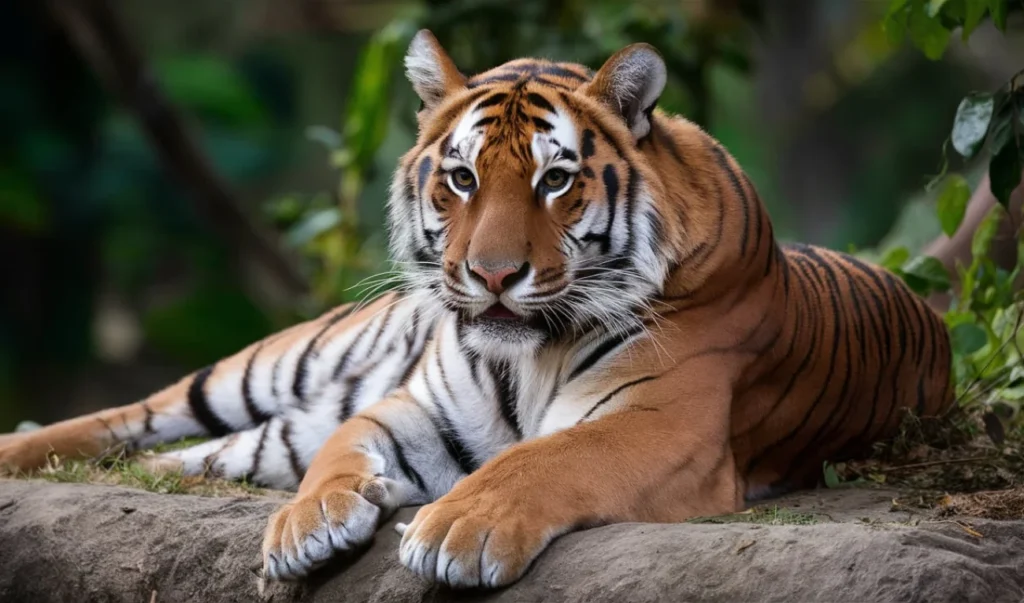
(596, 325)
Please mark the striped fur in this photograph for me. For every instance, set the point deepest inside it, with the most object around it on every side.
(667, 359)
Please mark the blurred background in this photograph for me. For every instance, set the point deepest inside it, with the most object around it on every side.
(181, 178)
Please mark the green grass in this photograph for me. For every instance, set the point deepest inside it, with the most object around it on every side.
(121, 473)
(124, 471)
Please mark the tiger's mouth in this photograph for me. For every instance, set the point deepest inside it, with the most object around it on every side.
(501, 321)
(499, 312)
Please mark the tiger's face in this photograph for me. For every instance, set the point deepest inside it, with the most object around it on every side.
(525, 205)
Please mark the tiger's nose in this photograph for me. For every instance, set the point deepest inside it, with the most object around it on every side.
(498, 277)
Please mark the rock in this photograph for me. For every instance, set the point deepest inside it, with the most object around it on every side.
(84, 543)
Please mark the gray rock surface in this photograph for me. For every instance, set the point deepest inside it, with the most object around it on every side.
(75, 542)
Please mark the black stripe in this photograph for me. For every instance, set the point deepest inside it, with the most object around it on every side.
(257, 457)
(552, 83)
(631, 184)
(587, 148)
(618, 389)
(426, 165)
(147, 423)
(343, 362)
(485, 121)
(542, 124)
(404, 379)
(759, 219)
(611, 183)
(556, 71)
(539, 101)
(299, 383)
(255, 413)
(293, 456)
(508, 394)
(353, 385)
(274, 372)
(601, 351)
(490, 101)
(383, 325)
(453, 441)
(200, 405)
(407, 470)
(723, 163)
(449, 435)
(509, 77)
(666, 139)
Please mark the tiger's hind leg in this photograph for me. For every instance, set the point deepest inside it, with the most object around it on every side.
(317, 373)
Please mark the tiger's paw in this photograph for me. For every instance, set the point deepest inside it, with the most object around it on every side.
(469, 542)
(339, 516)
(22, 452)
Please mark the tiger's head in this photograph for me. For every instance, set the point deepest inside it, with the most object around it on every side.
(526, 206)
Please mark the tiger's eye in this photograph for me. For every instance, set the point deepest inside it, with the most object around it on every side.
(555, 179)
(463, 179)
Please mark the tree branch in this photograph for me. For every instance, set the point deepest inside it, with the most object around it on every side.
(95, 29)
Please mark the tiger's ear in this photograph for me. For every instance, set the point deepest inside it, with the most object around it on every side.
(432, 72)
(630, 83)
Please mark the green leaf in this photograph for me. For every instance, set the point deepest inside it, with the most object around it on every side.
(832, 479)
(896, 6)
(967, 338)
(971, 123)
(952, 203)
(1004, 171)
(930, 271)
(998, 9)
(935, 7)
(974, 11)
(985, 232)
(927, 33)
(894, 258)
(894, 24)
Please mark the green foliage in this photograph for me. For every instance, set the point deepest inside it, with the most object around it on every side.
(952, 203)
(930, 23)
(970, 126)
(211, 88)
(985, 317)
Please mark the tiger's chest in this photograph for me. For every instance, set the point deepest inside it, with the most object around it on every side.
(490, 402)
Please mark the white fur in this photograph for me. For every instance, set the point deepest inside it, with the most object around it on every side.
(423, 68)
(546, 147)
(636, 81)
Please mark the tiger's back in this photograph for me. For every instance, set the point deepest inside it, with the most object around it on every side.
(829, 351)
(857, 350)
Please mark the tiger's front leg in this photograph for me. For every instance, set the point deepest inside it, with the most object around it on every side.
(664, 458)
(389, 455)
